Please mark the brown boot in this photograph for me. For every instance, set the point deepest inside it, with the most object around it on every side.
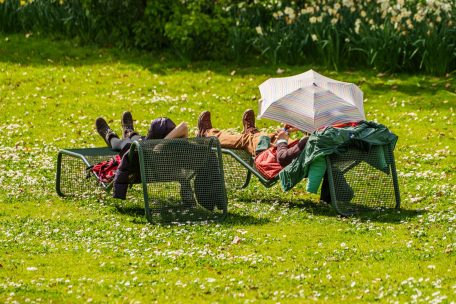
(248, 121)
(127, 125)
(105, 131)
(204, 123)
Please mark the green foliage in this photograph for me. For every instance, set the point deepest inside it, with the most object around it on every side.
(111, 21)
(197, 31)
(9, 21)
(149, 31)
(436, 50)
(389, 36)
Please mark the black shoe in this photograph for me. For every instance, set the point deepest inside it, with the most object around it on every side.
(127, 125)
(105, 131)
(204, 123)
(248, 121)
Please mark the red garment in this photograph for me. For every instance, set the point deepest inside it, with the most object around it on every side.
(266, 162)
(342, 125)
(106, 170)
(347, 124)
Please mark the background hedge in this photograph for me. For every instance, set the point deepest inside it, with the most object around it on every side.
(412, 36)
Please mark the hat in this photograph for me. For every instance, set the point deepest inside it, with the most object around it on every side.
(160, 127)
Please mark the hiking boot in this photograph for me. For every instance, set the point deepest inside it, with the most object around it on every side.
(248, 121)
(105, 131)
(127, 125)
(204, 123)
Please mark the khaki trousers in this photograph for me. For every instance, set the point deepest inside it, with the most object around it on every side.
(247, 142)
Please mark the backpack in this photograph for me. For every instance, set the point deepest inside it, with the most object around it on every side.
(106, 170)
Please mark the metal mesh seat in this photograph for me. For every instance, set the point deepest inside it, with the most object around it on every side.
(357, 180)
(186, 178)
(363, 180)
(182, 179)
(239, 167)
(73, 178)
(181, 175)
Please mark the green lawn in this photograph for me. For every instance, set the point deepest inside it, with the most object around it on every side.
(292, 248)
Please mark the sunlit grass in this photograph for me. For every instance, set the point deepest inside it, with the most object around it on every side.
(291, 249)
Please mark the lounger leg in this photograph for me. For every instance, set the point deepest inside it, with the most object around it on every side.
(395, 181)
(59, 175)
(186, 193)
(332, 188)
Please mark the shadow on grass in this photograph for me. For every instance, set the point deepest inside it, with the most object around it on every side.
(41, 51)
(388, 215)
(198, 216)
(426, 88)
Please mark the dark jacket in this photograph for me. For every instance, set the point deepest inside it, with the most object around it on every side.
(159, 128)
(286, 155)
(122, 178)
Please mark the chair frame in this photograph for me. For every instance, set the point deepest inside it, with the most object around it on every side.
(135, 149)
(251, 170)
(248, 165)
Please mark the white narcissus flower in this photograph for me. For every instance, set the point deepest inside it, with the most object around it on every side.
(357, 25)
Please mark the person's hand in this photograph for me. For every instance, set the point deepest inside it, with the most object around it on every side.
(290, 128)
(282, 135)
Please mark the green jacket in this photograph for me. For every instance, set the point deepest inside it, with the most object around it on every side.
(368, 135)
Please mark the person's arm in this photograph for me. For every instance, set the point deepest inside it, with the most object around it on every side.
(286, 155)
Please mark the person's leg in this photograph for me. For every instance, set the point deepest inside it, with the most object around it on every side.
(186, 192)
(136, 137)
(118, 144)
(245, 141)
(105, 131)
(128, 130)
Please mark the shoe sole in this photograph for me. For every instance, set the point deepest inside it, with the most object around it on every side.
(201, 133)
(127, 116)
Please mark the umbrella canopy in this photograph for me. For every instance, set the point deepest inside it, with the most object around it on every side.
(309, 101)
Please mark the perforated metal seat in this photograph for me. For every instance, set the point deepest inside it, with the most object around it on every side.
(357, 180)
(181, 178)
(363, 180)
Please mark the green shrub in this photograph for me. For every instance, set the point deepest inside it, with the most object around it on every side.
(149, 31)
(9, 17)
(388, 35)
(197, 30)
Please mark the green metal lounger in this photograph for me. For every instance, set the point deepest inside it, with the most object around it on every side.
(239, 168)
(354, 179)
(180, 178)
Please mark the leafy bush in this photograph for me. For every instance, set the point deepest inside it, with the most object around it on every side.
(111, 21)
(388, 35)
(197, 30)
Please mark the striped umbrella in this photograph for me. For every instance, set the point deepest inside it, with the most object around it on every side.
(309, 101)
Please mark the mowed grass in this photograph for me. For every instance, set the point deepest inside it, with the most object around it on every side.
(291, 249)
